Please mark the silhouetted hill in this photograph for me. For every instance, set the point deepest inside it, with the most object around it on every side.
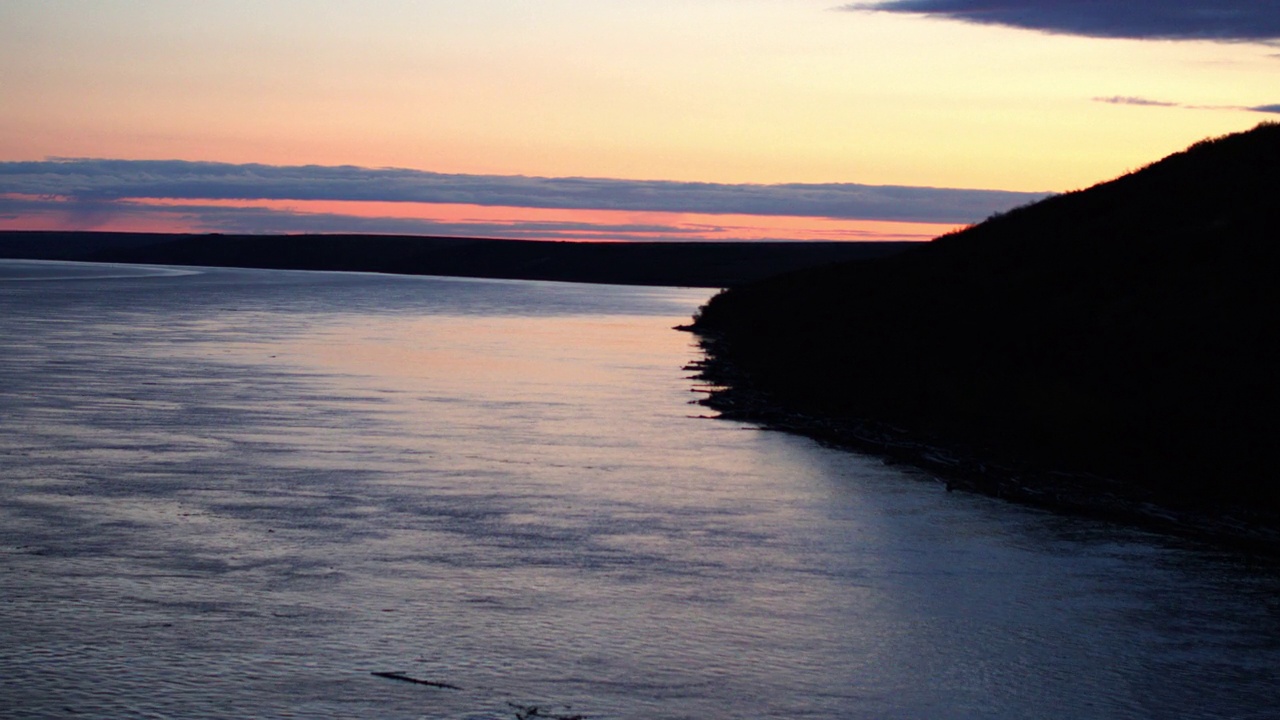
(689, 264)
(1130, 330)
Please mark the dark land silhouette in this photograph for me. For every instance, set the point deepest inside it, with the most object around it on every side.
(688, 264)
(1114, 350)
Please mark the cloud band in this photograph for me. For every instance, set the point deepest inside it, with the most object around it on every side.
(1221, 20)
(95, 180)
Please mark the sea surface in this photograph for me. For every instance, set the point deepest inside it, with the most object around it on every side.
(234, 493)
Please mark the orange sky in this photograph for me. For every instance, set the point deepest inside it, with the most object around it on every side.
(721, 91)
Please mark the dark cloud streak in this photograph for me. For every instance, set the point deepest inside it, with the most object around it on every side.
(109, 180)
(1219, 20)
(1120, 100)
(1145, 102)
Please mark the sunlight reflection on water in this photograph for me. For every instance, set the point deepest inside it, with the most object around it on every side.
(240, 493)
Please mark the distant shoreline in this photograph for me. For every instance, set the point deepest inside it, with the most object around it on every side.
(678, 264)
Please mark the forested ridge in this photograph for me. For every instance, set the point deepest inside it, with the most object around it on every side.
(1129, 330)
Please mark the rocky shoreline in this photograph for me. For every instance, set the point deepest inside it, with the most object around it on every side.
(730, 392)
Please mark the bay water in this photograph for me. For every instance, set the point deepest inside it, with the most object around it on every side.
(237, 493)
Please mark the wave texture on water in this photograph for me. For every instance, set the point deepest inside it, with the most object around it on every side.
(275, 494)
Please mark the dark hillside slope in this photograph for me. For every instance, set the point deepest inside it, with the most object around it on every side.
(1130, 330)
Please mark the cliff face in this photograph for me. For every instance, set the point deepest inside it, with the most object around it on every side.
(1130, 330)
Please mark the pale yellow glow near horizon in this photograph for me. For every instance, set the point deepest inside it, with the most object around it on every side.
(710, 90)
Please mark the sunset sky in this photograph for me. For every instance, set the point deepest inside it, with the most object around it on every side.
(604, 119)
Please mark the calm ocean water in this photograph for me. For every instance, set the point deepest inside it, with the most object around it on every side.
(233, 493)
